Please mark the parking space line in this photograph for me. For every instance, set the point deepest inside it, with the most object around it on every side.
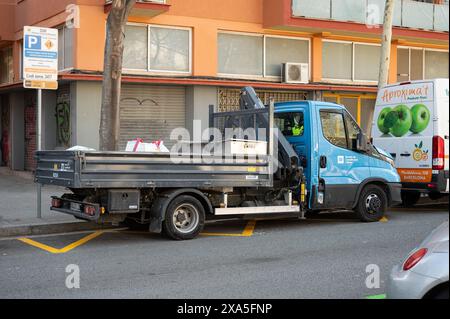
(248, 231)
(63, 250)
(382, 296)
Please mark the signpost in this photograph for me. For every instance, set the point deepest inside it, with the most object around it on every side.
(40, 72)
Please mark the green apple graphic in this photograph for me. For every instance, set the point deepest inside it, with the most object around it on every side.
(381, 120)
(391, 119)
(420, 118)
(404, 122)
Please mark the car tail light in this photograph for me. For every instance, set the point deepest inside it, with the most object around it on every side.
(414, 259)
(89, 210)
(438, 153)
(57, 203)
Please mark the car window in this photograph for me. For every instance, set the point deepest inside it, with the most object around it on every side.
(291, 123)
(333, 128)
(353, 130)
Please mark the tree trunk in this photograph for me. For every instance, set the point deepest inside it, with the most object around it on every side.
(386, 44)
(112, 73)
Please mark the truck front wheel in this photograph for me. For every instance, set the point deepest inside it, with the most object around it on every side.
(372, 204)
(184, 218)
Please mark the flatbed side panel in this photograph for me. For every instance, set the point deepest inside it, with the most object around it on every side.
(149, 170)
(159, 170)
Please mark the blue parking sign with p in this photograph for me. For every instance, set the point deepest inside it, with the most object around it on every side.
(33, 42)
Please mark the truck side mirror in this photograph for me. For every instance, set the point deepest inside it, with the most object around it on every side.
(362, 142)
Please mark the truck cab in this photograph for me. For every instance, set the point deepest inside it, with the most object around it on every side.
(343, 169)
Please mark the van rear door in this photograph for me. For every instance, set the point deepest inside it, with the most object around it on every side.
(404, 116)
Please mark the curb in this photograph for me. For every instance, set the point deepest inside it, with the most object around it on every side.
(50, 228)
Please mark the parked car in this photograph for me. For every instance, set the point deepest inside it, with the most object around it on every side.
(424, 274)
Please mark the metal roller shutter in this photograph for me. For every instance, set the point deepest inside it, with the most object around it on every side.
(151, 112)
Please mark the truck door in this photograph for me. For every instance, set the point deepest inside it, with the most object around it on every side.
(341, 167)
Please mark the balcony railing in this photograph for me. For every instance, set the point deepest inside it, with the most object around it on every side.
(407, 13)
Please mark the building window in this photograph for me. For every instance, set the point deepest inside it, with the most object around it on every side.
(259, 55)
(421, 64)
(282, 50)
(65, 48)
(436, 64)
(337, 60)
(367, 62)
(240, 54)
(135, 55)
(348, 61)
(169, 49)
(157, 49)
(6, 65)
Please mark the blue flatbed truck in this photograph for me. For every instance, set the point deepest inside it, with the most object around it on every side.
(324, 162)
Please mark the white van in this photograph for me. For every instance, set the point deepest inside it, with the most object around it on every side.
(411, 123)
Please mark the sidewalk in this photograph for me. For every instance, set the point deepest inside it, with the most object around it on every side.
(18, 213)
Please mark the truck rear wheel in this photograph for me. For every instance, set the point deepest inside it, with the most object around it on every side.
(184, 218)
(372, 204)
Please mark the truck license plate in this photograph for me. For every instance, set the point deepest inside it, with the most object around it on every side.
(75, 206)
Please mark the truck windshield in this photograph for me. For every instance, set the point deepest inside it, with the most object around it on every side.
(290, 123)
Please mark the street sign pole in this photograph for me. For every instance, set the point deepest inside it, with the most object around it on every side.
(39, 147)
(40, 70)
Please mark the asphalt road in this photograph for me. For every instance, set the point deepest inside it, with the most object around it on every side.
(320, 258)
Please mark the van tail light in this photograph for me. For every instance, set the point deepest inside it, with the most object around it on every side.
(438, 153)
(57, 203)
(414, 259)
(89, 210)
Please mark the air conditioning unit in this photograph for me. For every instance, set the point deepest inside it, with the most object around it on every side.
(295, 72)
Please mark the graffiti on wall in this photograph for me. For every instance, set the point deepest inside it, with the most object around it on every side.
(62, 114)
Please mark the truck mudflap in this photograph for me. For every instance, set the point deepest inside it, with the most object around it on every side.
(395, 194)
(82, 210)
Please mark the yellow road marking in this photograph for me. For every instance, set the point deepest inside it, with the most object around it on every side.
(248, 231)
(64, 249)
(384, 219)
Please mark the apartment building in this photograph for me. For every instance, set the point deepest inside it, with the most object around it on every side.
(183, 55)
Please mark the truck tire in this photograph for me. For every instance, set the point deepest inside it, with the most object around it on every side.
(184, 218)
(410, 198)
(372, 204)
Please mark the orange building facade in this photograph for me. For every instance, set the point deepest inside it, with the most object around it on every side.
(183, 55)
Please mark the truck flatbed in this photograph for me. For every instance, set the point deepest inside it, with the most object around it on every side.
(81, 169)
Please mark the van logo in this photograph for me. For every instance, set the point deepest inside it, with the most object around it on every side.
(341, 159)
(419, 153)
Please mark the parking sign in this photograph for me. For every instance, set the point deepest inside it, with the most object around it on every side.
(40, 58)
